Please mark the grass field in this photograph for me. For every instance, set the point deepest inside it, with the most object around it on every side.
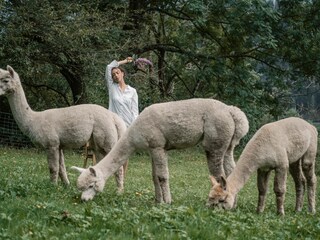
(31, 208)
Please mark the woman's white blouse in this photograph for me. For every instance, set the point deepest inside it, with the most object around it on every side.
(124, 103)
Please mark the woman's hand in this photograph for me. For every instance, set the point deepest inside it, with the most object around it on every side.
(129, 59)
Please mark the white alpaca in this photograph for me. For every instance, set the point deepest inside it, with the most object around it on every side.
(173, 125)
(291, 144)
(56, 129)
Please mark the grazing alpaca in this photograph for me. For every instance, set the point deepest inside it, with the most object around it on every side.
(173, 125)
(286, 144)
(56, 129)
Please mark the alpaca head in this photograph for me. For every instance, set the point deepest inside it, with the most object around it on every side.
(219, 195)
(90, 182)
(9, 80)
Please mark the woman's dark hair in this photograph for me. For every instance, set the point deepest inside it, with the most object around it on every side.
(121, 69)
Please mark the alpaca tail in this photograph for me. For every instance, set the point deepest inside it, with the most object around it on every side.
(241, 124)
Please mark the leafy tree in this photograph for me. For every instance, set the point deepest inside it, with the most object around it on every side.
(57, 44)
(250, 53)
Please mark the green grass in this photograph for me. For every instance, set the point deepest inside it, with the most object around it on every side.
(31, 208)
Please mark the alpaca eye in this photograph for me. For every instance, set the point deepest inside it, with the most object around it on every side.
(222, 201)
(91, 185)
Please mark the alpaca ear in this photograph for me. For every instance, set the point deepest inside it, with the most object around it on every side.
(80, 170)
(223, 182)
(11, 71)
(213, 180)
(93, 172)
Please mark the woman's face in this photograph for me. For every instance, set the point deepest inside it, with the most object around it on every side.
(117, 75)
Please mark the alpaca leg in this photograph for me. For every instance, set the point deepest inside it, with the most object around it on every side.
(53, 162)
(119, 176)
(280, 180)
(156, 183)
(99, 155)
(299, 181)
(125, 167)
(229, 163)
(216, 142)
(262, 182)
(102, 146)
(62, 169)
(100, 149)
(161, 175)
(215, 163)
(308, 170)
(228, 166)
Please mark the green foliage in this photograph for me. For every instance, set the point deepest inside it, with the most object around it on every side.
(58, 57)
(31, 208)
(248, 53)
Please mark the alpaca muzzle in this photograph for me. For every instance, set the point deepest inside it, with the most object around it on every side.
(88, 194)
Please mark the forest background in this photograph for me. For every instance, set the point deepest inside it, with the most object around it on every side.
(259, 55)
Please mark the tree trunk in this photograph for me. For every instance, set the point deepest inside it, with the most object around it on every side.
(77, 85)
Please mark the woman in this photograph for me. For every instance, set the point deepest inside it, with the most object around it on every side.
(123, 99)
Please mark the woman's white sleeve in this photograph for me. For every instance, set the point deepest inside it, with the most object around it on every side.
(108, 76)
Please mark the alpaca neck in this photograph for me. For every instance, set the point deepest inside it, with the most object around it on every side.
(21, 110)
(241, 173)
(118, 155)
